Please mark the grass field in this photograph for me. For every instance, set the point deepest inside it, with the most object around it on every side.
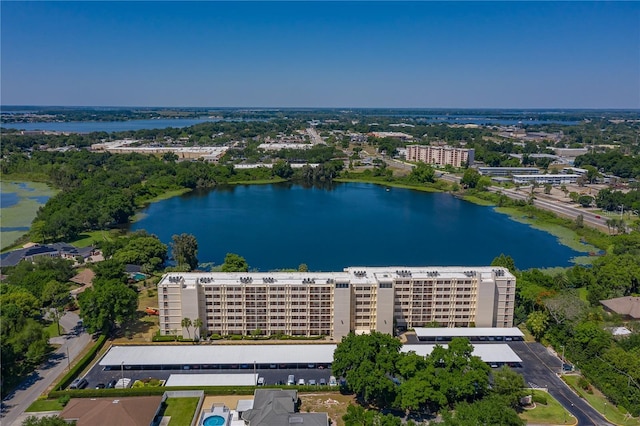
(52, 329)
(551, 413)
(181, 410)
(45, 405)
(614, 414)
(88, 238)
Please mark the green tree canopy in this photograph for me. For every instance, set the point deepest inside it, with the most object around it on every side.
(106, 304)
(234, 263)
(184, 250)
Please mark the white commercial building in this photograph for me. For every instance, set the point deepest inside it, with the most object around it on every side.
(359, 299)
(544, 179)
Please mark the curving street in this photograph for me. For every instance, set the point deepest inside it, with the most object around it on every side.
(72, 344)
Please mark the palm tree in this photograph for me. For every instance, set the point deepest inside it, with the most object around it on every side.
(186, 323)
(197, 324)
(610, 223)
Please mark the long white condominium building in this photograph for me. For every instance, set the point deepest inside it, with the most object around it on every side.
(440, 155)
(333, 304)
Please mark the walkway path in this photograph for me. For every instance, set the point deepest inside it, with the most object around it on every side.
(73, 343)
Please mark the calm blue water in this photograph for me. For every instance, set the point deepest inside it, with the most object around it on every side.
(8, 199)
(108, 126)
(280, 226)
(14, 228)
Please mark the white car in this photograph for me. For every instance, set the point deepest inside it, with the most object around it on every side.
(300, 382)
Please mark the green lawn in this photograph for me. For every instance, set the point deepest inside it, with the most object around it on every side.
(181, 410)
(45, 405)
(552, 413)
(598, 401)
(52, 329)
(88, 238)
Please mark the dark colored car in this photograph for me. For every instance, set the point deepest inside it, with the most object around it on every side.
(112, 384)
(100, 386)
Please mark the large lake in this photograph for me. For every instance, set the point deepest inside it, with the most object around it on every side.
(109, 126)
(283, 225)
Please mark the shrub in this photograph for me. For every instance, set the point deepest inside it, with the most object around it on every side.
(583, 383)
(540, 398)
(64, 400)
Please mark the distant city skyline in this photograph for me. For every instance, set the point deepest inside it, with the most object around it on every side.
(531, 55)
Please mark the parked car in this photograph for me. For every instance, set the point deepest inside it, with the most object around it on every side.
(79, 384)
(300, 382)
(112, 384)
(323, 382)
(312, 382)
(291, 380)
(100, 386)
(260, 381)
(333, 381)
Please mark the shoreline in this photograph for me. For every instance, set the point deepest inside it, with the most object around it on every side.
(564, 235)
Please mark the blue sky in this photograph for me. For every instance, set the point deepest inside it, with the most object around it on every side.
(322, 54)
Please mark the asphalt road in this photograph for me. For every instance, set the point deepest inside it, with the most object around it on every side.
(73, 343)
(540, 369)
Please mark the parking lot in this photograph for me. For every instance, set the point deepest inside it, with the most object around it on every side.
(272, 376)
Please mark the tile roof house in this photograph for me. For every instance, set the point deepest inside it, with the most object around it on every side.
(129, 411)
(628, 306)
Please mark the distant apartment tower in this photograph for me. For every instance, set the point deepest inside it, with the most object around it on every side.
(359, 299)
(440, 155)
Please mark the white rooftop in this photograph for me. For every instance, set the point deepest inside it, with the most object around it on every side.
(211, 380)
(264, 354)
(487, 353)
(218, 354)
(354, 274)
(468, 332)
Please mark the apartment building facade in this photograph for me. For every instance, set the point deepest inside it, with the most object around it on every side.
(358, 299)
(440, 155)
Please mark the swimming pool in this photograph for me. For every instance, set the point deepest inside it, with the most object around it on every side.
(213, 421)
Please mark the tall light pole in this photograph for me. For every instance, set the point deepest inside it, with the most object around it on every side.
(122, 371)
(68, 359)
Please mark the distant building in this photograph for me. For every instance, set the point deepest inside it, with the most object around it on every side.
(574, 171)
(63, 250)
(124, 146)
(440, 155)
(508, 171)
(395, 135)
(544, 179)
(122, 411)
(278, 146)
(359, 299)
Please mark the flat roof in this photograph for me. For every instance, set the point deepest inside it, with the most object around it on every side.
(468, 332)
(218, 354)
(265, 354)
(212, 380)
(487, 352)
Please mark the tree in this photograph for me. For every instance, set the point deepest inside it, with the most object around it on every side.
(504, 261)
(368, 362)
(303, 267)
(107, 303)
(491, 411)
(580, 221)
(282, 169)
(564, 189)
(197, 325)
(423, 173)
(547, 189)
(509, 385)
(184, 249)
(537, 323)
(187, 323)
(585, 200)
(470, 178)
(234, 263)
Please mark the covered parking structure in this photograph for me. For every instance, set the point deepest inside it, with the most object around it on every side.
(493, 354)
(474, 334)
(211, 357)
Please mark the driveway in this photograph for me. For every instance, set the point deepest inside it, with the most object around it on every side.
(540, 369)
(73, 343)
